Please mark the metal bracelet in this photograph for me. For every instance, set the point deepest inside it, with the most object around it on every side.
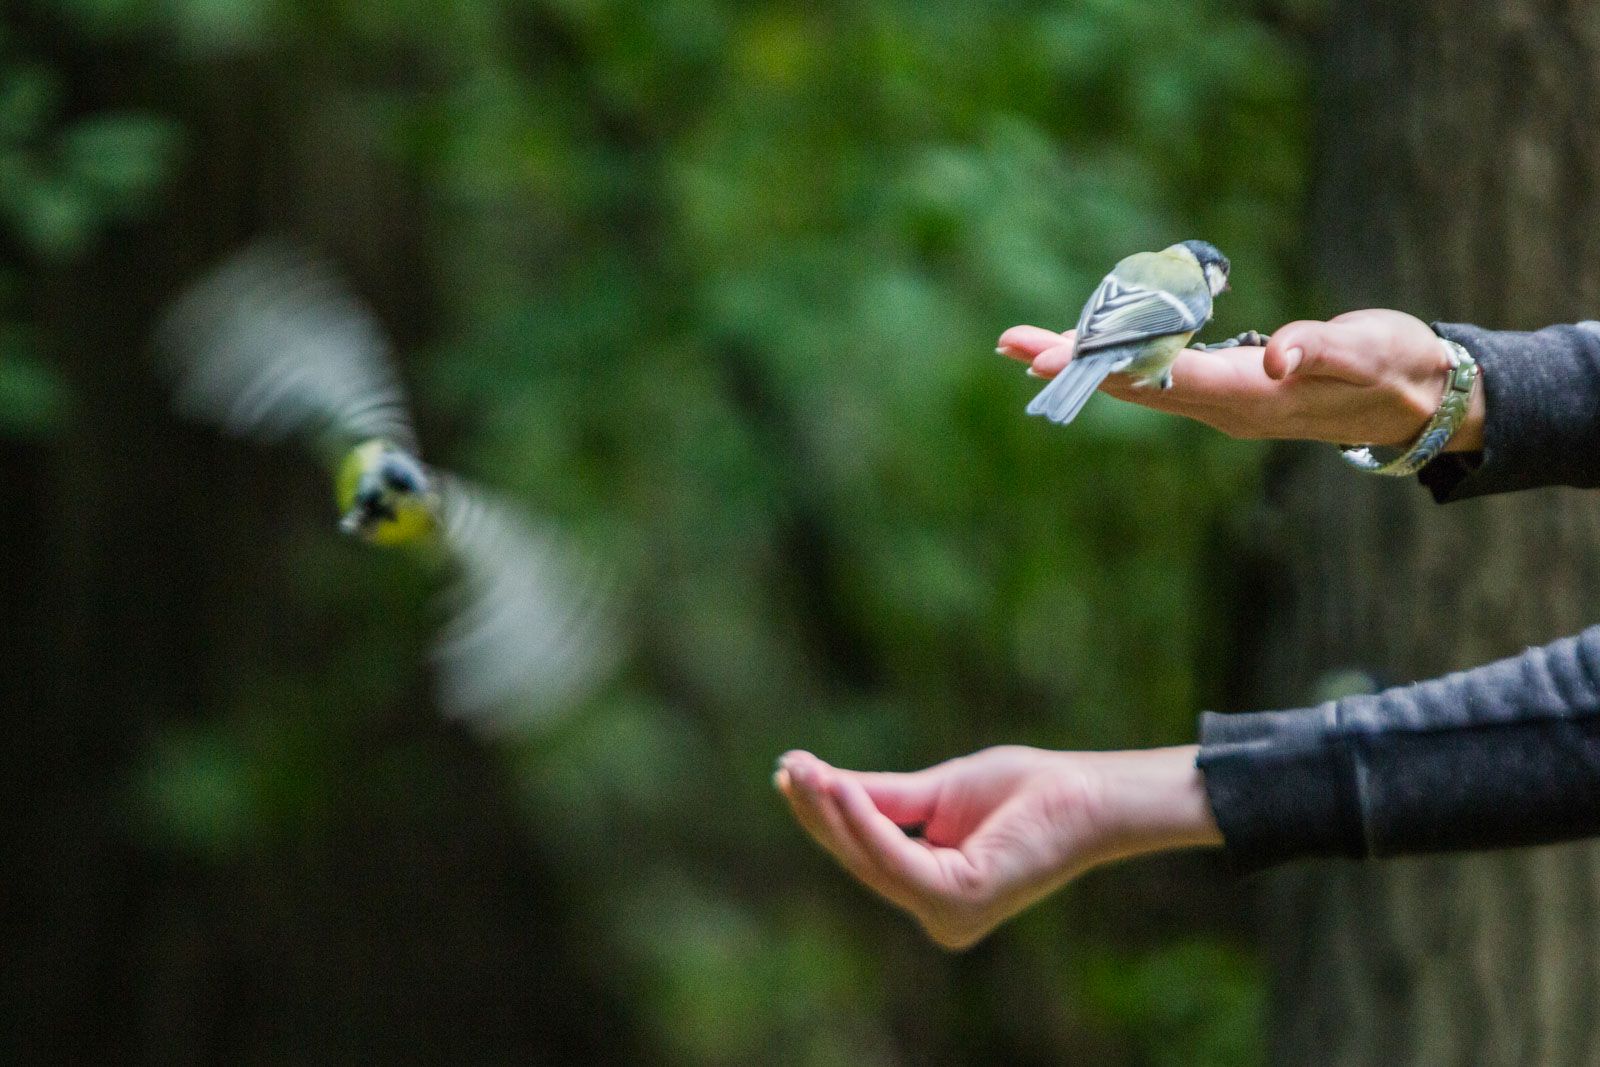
(1451, 413)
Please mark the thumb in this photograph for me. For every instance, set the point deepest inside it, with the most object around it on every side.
(1297, 348)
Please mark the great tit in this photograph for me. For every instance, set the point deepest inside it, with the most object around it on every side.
(1142, 315)
(271, 345)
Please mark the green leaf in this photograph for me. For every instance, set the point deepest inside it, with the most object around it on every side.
(1197, 1003)
(55, 217)
(198, 790)
(32, 394)
(29, 98)
(209, 26)
(121, 158)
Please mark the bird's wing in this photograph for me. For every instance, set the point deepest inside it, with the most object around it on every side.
(271, 345)
(527, 631)
(1129, 307)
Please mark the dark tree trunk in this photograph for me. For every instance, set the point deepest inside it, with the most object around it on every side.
(1458, 178)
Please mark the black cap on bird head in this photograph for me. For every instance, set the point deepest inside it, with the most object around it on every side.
(1212, 262)
(371, 505)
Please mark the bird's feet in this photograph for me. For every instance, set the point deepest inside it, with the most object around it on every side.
(1248, 339)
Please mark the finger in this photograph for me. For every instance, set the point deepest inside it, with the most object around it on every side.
(863, 857)
(910, 867)
(801, 809)
(1310, 348)
(1025, 342)
(1224, 378)
(815, 808)
(905, 799)
(802, 802)
(1203, 383)
(1286, 349)
(1052, 361)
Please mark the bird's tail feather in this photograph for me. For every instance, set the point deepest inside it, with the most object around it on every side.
(1064, 397)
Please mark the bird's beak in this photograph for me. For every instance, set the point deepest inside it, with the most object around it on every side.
(1227, 286)
(352, 522)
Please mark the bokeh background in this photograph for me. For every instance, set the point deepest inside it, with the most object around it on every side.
(716, 285)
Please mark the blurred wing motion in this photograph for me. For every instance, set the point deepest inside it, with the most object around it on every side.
(526, 633)
(271, 345)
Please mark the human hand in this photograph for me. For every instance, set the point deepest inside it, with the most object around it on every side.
(1365, 377)
(999, 829)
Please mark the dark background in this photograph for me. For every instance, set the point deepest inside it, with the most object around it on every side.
(715, 285)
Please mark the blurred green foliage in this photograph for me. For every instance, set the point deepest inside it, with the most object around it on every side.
(1194, 1001)
(719, 285)
(31, 393)
(63, 180)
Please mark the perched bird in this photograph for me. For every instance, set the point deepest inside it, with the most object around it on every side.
(1142, 315)
(271, 345)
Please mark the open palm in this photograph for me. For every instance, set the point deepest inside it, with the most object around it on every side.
(1371, 377)
(991, 833)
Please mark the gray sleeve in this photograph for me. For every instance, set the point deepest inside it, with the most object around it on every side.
(1504, 755)
(1542, 412)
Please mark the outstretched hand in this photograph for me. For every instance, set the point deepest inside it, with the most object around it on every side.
(1365, 377)
(996, 831)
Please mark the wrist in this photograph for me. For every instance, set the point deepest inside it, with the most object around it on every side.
(1152, 800)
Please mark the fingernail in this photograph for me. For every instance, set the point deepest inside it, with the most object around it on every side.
(1002, 350)
(1030, 372)
(780, 779)
(1292, 358)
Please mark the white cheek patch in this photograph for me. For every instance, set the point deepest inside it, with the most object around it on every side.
(1215, 278)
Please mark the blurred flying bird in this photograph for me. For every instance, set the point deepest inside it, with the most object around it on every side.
(1139, 319)
(271, 345)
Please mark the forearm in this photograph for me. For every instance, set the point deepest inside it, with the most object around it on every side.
(1504, 755)
(1152, 800)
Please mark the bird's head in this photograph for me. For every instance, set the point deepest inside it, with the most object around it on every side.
(385, 494)
(1212, 262)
